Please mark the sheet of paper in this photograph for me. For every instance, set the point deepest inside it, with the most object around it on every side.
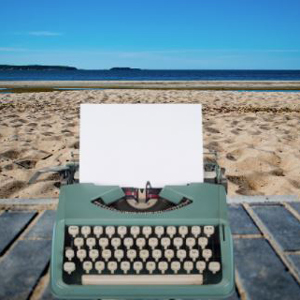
(130, 144)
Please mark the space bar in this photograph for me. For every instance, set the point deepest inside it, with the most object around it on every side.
(142, 279)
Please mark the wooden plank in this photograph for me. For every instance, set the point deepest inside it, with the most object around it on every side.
(240, 222)
(11, 225)
(238, 199)
(262, 273)
(295, 258)
(296, 206)
(44, 226)
(28, 204)
(22, 267)
(283, 226)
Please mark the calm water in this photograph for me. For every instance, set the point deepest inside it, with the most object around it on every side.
(271, 91)
(152, 75)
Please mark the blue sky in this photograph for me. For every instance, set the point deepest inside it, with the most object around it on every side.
(156, 34)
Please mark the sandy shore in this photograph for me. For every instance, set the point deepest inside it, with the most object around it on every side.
(157, 84)
(256, 135)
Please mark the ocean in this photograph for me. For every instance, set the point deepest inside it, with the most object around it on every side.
(171, 75)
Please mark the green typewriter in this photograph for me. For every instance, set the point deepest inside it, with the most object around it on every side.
(112, 242)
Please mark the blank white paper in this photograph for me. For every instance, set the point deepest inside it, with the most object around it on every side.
(130, 144)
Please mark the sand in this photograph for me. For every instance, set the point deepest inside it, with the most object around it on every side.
(256, 135)
(158, 84)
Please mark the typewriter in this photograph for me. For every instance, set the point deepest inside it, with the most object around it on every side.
(112, 242)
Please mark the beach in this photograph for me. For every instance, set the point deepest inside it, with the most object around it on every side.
(256, 134)
(156, 84)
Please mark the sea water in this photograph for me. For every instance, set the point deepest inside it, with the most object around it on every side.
(150, 75)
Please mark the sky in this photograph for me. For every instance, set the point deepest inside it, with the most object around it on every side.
(152, 34)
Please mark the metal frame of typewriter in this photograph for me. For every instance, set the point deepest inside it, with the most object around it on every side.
(208, 205)
(76, 206)
(213, 173)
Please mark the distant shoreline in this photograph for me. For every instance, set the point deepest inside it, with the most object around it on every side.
(35, 68)
(48, 86)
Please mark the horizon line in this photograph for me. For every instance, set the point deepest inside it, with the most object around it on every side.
(145, 69)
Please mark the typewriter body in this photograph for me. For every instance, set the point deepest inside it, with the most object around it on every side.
(124, 243)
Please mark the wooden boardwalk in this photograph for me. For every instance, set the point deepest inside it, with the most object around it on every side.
(266, 239)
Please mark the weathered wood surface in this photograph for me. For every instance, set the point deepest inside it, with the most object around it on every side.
(266, 239)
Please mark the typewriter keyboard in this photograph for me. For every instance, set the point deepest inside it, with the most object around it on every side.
(142, 255)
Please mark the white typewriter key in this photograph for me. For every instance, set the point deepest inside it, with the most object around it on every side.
(73, 230)
(147, 230)
(153, 242)
(163, 266)
(190, 242)
(87, 266)
(156, 254)
(112, 266)
(171, 231)
(196, 230)
(140, 242)
(85, 230)
(165, 242)
(128, 242)
(188, 266)
(69, 254)
(214, 266)
(175, 266)
(93, 254)
(98, 230)
(169, 254)
(78, 242)
(116, 242)
(131, 254)
(137, 266)
(209, 230)
(135, 231)
(106, 254)
(103, 242)
(99, 266)
(200, 266)
(119, 254)
(122, 230)
(110, 231)
(125, 266)
(194, 254)
(202, 242)
(183, 231)
(144, 254)
(69, 267)
(150, 266)
(81, 254)
(159, 231)
(181, 254)
(178, 242)
(91, 242)
(207, 253)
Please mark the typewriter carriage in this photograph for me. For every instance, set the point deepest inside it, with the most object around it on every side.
(141, 200)
(69, 174)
